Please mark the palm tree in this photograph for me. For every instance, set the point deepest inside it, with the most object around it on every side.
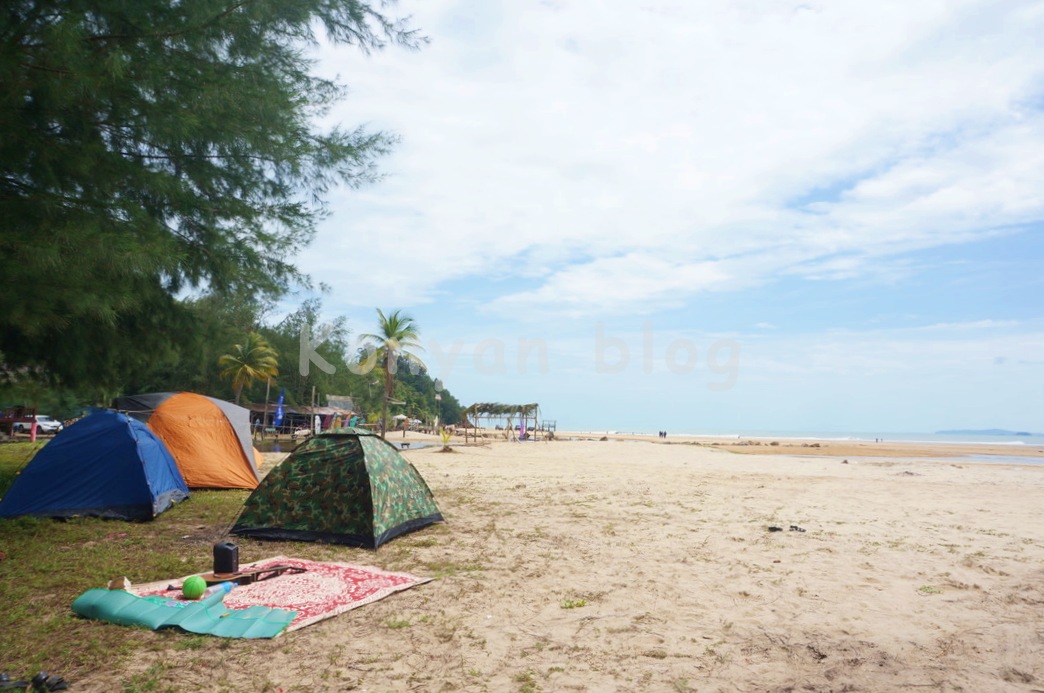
(397, 334)
(254, 359)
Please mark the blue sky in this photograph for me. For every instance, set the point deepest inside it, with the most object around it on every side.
(708, 217)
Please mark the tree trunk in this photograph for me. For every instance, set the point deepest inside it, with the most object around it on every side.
(387, 396)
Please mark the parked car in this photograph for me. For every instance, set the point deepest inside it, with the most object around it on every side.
(44, 424)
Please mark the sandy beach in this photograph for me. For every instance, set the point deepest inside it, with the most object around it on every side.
(633, 566)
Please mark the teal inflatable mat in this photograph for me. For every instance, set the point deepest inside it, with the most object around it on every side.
(208, 616)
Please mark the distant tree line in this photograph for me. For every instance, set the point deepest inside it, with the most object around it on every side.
(194, 362)
(160, 169)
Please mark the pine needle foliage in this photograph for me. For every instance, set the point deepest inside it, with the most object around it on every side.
(152, 148)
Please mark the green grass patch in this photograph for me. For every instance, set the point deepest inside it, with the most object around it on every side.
(527, 681)
(150, 680)
(14, 456)
(442, 569)
(48, 563)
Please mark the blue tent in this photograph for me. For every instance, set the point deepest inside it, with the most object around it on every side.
(106, 465)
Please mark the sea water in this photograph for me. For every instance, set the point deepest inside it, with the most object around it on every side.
(971, 440)
(850, 437)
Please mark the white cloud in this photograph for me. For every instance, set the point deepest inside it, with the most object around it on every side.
(613, 158)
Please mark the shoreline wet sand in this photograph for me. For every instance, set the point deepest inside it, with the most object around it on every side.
(835, 448)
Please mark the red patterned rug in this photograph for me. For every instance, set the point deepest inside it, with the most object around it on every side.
(322, 591)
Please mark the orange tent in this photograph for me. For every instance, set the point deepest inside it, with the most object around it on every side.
(209, 438)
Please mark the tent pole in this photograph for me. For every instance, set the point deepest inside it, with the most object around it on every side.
(264, 421)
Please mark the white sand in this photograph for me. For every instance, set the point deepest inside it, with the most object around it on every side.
(627, 566)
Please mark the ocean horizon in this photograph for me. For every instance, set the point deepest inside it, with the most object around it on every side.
(968, 438)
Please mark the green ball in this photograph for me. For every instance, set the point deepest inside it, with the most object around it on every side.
(194, 587)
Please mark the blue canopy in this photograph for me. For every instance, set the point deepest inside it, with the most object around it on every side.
(105, 465)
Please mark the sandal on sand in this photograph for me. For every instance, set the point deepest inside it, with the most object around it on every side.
(775, 529)
(7, 684)
(43, 682)
(795, 528)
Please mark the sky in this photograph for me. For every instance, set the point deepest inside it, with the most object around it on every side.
(724, 216)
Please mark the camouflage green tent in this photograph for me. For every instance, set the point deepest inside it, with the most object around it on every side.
(344, 486)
